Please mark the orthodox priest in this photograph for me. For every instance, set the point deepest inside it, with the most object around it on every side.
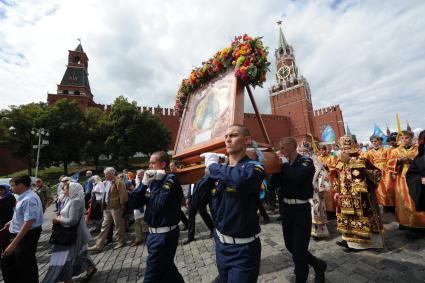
(358, 216)
(377, 155)
(399, 163)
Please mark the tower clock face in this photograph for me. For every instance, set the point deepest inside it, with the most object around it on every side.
(283, 72)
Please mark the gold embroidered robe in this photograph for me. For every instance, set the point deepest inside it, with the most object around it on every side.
(357, 211)
(405, 210)
(385, 191)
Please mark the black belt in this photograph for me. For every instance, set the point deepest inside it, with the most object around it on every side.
(13, 235)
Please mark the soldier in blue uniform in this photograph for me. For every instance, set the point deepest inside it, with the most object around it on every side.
(233, 192)
(296, 180)
(162, 194)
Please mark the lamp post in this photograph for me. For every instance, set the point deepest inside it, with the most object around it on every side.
(39, 133)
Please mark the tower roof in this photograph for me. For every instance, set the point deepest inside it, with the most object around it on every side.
(282, 40)
(79, 48)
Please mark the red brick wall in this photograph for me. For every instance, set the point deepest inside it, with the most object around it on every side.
(10, 163)
(172, 123)
(293, 103)
(277, 127)
(83, 101)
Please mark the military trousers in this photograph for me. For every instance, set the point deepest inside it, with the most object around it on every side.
(296, 226)
(160, 267)
(238, 263)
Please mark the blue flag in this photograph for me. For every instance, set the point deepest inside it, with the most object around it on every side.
(328, 135)
(379, 133)
(76, 176)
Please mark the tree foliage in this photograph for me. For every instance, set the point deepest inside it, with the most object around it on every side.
(134, 131)
(67, 129)
(74, 134)
(98, 128)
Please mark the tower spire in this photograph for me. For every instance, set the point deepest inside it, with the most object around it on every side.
(282, 40)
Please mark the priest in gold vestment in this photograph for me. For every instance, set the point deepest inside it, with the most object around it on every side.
(378, 155)
(358, 216)
(398, 163)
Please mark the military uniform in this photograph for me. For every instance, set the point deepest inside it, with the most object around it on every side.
(233, 195)
(162, 214)
(296, 188)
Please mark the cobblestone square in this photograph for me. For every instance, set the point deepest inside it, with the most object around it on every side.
(403, 260)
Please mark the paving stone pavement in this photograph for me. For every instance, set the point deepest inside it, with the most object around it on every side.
(403, 260)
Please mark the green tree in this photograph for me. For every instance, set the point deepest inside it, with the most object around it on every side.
(17, 122)
(134, 131)
(65, 122)
(98, 129)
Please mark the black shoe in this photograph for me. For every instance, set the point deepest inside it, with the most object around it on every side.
(320, 269)
(343, 244)
(187, 241)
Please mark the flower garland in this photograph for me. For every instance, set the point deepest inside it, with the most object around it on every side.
(246, 54)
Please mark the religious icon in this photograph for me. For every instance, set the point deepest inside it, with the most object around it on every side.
(209, 112)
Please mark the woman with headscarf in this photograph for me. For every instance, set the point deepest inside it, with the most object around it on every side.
(69, 261)
(415, 176)
(7, 203)
(95, 215)
(321, 184)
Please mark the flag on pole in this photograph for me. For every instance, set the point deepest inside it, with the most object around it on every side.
(328, 135)
(76, 176)
(398, 127)
(379, 133)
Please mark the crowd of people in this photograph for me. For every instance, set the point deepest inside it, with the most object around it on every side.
(314, 184)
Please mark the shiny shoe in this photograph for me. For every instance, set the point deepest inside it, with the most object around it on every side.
(136, 243)
(187, 241)
(343, 244)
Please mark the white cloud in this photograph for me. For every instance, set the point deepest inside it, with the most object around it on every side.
(366, 56)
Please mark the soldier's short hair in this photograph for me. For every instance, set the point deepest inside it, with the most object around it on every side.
(242, 129)
(163, 157)
(290, 141)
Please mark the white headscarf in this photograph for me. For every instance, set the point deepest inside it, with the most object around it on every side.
(75, 190)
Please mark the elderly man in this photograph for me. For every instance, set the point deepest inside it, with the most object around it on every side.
(43, 193)
(114, 201)
(19, 263)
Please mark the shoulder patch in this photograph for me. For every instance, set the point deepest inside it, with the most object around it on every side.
(306, 162)
(168, 185)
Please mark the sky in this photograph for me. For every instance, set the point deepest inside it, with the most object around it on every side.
(366, 56)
